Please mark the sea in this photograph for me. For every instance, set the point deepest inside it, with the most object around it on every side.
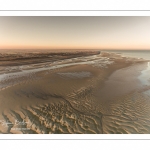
(145, 54)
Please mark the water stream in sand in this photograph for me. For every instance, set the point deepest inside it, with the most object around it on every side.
(23, 72)
(27, 71)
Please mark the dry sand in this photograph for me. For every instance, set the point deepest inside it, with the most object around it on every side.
(88, 94)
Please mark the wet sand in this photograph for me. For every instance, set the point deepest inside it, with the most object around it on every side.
(103, 93)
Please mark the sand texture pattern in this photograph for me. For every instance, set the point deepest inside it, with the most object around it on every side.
(81, 93)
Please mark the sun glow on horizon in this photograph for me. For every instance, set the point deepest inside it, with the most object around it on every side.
(75, 33)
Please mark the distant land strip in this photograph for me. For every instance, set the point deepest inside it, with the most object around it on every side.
(74, 10)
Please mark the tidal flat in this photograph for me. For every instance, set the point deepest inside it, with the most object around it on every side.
(74, 93)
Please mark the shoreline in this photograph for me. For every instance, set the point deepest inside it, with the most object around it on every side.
(12, 72)
(80, 84)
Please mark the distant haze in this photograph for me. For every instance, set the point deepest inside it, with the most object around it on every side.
(75, 32)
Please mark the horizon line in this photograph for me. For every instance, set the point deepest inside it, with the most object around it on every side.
(66, 49)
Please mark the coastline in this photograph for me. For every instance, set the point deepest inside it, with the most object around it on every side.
(78, 87)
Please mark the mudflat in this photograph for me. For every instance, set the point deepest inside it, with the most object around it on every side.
(86, 92)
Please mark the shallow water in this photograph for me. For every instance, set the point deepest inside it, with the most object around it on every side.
(119, 82)
(27, 71)
(145, 54)
(82, 74)
(144, 76)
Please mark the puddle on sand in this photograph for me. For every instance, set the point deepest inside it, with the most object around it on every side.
(82, 74)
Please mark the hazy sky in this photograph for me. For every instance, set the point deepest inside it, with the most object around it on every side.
(74, 32)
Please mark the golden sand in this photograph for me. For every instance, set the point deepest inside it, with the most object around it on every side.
(80, 98)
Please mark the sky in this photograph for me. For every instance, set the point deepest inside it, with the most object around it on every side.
(87, 32)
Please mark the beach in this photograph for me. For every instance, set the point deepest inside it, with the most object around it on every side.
(77, 93)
